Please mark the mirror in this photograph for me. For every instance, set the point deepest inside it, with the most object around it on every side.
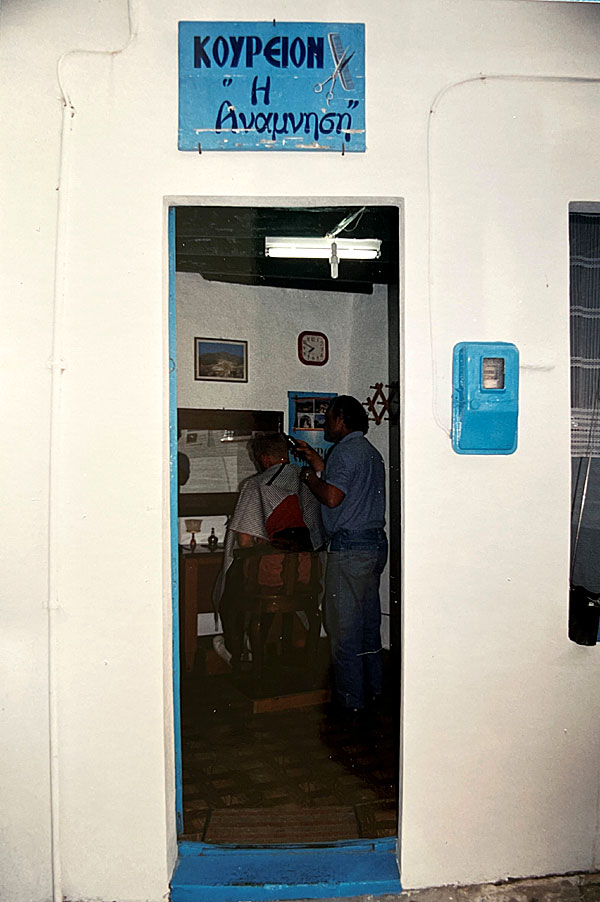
(215, 445)
(218, 460)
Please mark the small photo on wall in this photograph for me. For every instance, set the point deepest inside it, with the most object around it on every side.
(307, 414)
(220, 360)
(310, 411)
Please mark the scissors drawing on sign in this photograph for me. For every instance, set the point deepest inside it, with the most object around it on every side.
(341, 71)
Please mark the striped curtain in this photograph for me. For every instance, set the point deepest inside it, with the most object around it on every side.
(584, 229)
(584, 235)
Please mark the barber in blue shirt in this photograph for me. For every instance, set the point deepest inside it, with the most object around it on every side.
(351, 488)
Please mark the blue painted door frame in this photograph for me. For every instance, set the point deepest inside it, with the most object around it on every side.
(211, 873)
(174, 521)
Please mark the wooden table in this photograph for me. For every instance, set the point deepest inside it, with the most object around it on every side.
(198, 571)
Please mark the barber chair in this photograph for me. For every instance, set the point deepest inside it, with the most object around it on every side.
(285, 583)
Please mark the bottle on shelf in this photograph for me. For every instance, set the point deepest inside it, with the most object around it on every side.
(212, 540)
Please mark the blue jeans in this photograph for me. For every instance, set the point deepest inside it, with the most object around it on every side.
(355, 561)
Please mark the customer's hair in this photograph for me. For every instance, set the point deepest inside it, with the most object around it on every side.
(269, 444)
(354, 414)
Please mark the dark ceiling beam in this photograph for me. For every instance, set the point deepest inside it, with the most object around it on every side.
(232, 248)
(213, 222)
(306, 276)
(247, 220)
(220, 246)
(336, 285)
(283, 269)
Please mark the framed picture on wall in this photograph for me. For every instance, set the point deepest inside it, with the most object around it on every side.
(220, 360)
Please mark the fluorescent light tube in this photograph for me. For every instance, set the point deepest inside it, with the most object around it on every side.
(320, 248)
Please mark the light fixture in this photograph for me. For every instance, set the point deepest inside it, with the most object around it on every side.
(320, 248)
(331, 247)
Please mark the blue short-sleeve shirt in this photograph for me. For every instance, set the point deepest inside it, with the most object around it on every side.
(355, 467)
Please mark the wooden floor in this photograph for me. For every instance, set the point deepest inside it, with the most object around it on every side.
(271, 763)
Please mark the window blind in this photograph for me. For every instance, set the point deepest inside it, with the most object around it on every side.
(584, 237)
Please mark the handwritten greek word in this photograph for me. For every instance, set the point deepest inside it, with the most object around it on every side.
(275, 124)
(280, 51)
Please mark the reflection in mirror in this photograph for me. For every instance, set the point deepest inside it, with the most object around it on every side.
(219, 459)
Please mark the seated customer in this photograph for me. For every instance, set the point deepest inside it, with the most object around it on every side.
(275, 509)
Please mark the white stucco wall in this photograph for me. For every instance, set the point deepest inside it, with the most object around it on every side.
(500, 712)
(270, 320)
(507, 728)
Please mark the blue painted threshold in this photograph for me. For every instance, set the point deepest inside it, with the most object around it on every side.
(206, 873)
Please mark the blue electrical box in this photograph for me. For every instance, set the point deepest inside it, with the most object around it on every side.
(485, 397)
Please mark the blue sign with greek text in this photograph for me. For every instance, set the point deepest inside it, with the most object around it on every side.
(272, 86)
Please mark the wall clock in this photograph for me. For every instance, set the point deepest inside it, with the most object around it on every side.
(313, 348)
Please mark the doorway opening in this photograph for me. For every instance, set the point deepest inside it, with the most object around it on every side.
(261, 760)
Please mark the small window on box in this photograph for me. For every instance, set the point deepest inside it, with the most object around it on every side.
(493, 373)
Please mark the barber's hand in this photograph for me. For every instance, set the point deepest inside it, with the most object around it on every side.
(314, 459)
